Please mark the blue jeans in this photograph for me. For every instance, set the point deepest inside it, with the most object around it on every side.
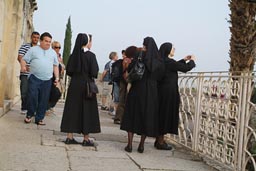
(38, 97)
(115, 92)
(23, 91)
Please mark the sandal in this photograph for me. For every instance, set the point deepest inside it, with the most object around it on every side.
(27, 120)
(40, 123)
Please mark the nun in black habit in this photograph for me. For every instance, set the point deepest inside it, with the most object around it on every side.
(80, 114)
(168, 90)
(141, 109)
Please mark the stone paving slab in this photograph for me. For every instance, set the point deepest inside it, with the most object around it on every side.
(165, 162)
(103, 164)
(23, 157)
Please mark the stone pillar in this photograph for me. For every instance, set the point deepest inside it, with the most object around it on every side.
(14, 43)
(1, 56)
(16, 26)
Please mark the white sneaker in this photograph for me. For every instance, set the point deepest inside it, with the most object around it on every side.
(112, 113)
(23, 112)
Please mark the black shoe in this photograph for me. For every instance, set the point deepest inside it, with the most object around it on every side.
(87, 143)
(155, 143)
(140, 149)
(128, 149)
(70, 141)
(117, 121)
(163, 146)
(104, 108)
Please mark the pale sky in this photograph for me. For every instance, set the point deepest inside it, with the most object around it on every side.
(196, 27)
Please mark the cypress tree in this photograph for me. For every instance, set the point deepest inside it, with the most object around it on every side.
(67, 42)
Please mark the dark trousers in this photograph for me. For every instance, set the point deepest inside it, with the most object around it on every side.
(23, 91)
(122, 98)
(38, 97)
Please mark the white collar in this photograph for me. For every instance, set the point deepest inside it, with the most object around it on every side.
(86, 49)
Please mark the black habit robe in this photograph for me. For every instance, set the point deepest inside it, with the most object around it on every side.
(80, 114)
(141, 108)
(169, 98)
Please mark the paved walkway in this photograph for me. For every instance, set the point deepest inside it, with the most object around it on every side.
(28, 147)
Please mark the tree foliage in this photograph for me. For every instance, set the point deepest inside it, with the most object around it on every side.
(67, 42)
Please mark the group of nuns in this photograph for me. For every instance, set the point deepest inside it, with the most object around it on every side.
(152, 103)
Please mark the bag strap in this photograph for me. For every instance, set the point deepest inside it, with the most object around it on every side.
(140, 56)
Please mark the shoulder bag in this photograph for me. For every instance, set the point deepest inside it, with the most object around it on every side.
(91, 89)
(137, 71)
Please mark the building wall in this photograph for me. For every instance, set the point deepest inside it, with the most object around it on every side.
(16, 20)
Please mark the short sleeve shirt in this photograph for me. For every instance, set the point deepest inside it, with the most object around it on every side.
(41, 62)
(107, 68)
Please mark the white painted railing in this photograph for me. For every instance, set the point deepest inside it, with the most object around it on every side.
(217, 118)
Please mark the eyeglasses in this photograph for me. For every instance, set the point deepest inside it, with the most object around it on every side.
(56, 47)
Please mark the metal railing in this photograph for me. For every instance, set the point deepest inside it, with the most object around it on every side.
(218, 118)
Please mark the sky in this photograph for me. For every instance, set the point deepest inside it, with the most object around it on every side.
(198, 27)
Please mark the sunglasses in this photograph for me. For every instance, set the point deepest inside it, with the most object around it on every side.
(56, 47)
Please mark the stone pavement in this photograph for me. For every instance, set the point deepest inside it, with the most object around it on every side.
(28, 147)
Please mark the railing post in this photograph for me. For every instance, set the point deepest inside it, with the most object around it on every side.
(197, 112)
(247, 116)
(242, 114)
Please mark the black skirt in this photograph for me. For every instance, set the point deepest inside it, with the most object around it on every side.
(141, 109)
(80, 114)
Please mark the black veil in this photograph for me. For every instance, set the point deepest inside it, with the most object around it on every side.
(74, 61)
(165, 50)
(151, 56)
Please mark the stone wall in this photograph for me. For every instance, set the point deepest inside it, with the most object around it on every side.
(16, 20)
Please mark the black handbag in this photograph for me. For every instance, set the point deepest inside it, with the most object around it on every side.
(55, 94)
(91, 89)
(137, 71)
